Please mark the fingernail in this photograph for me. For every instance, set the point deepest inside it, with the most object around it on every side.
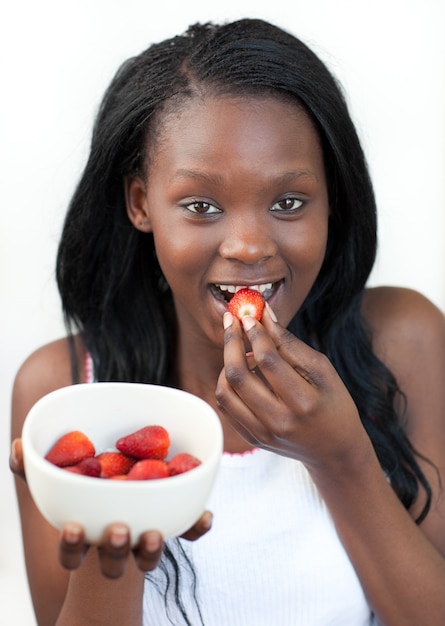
(119, 537)
(248, 322)
(206, 520)
(153, 542)
(71, 533)
(227, 320)
(273, 317)
(13, 455)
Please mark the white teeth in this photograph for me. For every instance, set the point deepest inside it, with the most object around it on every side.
(265, 287)
(234, 288)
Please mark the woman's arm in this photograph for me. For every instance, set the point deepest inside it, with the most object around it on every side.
(409, 337)
(300, 408)
(401, 564)
(60, 595)
(45, 370)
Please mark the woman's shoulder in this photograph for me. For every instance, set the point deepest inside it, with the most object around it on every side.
(46, 369)
(408, 335)
(402, 314)
(51, 364)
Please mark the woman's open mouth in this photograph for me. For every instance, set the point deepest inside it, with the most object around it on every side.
(226, 292)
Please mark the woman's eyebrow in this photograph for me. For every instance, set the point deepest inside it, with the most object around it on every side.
(288, 177)
(218, 179)
(208, 177)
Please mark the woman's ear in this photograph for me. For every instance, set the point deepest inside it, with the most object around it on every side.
(136, 201)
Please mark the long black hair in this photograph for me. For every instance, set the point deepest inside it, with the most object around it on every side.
(109, 279)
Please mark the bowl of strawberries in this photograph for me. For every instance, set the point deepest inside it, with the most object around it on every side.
(144, 455)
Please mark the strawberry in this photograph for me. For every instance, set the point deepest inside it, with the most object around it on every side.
(182, 462)
(70, 449)
(87, 467)
(114, 463)
(148, 469)
(247, 302)
(150, 442)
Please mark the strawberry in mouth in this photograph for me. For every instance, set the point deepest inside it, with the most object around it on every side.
(258, 293)
(247, 302)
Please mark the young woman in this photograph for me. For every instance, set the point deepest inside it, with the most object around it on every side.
(220, 159)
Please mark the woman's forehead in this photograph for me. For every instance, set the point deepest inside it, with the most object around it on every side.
(241, 119)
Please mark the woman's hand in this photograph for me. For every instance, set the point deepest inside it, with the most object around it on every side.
(114, 550)
(286, 397)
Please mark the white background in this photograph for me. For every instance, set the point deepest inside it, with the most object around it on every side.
(56, 58)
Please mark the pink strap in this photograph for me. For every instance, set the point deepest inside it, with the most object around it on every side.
(89, 374)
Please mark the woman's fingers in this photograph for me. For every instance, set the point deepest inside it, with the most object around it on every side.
(72, 547)
(249, 386)
(302, 377)
(236, 400)
(202, 526)
(16, 459)
(275, 346)
(114, 551)
(149, 550)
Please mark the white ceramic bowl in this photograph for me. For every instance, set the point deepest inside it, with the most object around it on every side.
(105, 412)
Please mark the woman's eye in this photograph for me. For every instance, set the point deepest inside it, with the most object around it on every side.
(287, 204)
(201, 207)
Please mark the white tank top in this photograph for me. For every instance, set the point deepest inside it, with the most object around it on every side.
(272, 557)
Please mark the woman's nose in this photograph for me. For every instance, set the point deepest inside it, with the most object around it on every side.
(248, 241)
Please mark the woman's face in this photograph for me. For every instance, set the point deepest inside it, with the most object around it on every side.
(236, 196)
